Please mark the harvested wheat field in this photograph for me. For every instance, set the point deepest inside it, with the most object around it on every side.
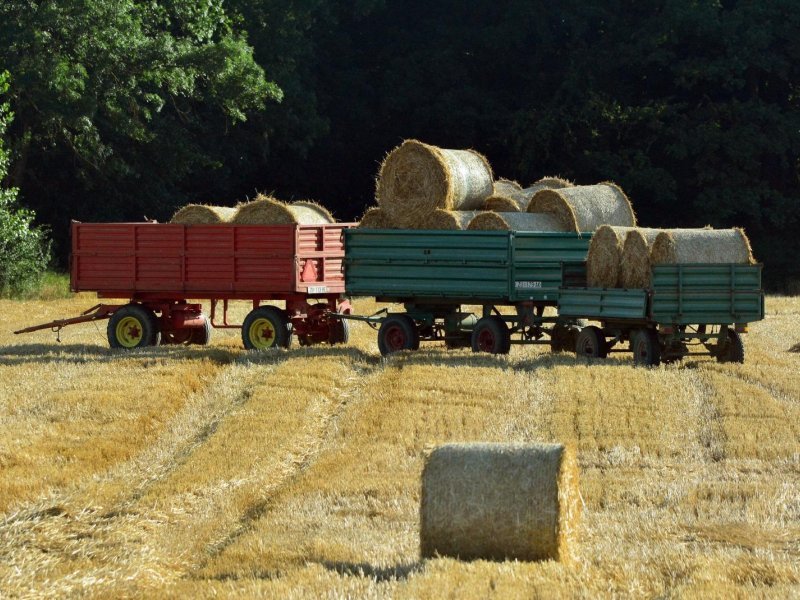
(214, 472)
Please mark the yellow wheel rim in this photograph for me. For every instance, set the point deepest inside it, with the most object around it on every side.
(129, 332)
(262, 334)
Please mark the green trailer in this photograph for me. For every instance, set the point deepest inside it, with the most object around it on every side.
(441, 276)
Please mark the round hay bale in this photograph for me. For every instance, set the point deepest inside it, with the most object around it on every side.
(710, 246)
(518, 200)
(201, 214)
(374, 218)
(269, 211)
(316, 208)
(452, 220)
(634, 264)
(586, 207)
(505, 186)
(416, 178)
(499, 501)
(510, 221)
(603, 258)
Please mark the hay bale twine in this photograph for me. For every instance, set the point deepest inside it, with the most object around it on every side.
(634, 264)
(710, 246)
(604, 256)
(416, 179)
(586, 207)
(499, 501)
(374, 218)
(510, 221)
(202, 214)
(269, 211)
(452, 220)
(505, 199)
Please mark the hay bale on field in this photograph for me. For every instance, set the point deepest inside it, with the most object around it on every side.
(604, 256)
(711, 246)
(499, 501)
(374, 218)
(202, 214)
(452, 220)
(518, 200)
(634, 264)
(269, 211)
(586, 207)
(416, 179)
(511, 221)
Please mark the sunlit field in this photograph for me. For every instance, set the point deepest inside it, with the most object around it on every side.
(212, 471)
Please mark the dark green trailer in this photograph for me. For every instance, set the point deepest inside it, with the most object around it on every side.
(435, 274)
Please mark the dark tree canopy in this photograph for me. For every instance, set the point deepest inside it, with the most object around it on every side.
(130, 108)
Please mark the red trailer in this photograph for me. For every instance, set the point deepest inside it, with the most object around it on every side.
(158, 267)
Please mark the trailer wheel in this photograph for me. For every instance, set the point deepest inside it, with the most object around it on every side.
(340, 331)
(133, 326)
(266, 327)
(398, 332)
(591, 343)
(646, 348)
(733, 349)
(491, 335)
(201, 336)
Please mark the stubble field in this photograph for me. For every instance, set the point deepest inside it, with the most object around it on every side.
(211, 471)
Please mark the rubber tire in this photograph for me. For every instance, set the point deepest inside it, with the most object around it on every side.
(499, 330)
(277, 317)
(407, 327)
(151, 333)
(340, 332)
(646, 348)
(202, 336)
(591, 343)
(733, 351)
(560, 337)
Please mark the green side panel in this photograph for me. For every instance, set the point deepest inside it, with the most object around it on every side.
(427, 264)
(538, 259)
(603, 303)
(707, 294)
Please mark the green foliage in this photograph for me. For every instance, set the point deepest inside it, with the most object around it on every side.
(24, 249)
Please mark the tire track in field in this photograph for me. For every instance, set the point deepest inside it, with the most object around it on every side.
(88, 521)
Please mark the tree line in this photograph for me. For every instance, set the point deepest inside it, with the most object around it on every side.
(128, 109)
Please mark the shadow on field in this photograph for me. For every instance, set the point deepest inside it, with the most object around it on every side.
(379, 574)
(83, 354)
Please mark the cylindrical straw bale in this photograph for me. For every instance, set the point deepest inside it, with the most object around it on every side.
(511, 221)
(201, 214)
(268, 211)
(586, 207)
(446, 219)
(517, 200)
(604, 257)
(505, 186)
(416, 178)
(499, 501)
(711, 246)
(375, 218)
(634, 264)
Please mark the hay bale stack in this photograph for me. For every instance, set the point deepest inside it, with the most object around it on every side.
(511, 221)
(604, 256)
(201, 214)
(585, 208)
(710, 246)
(451, 220)
(416, 179)
(635, 259)
(499, 501)
(374, 218)
(518, 200)
(269, 211)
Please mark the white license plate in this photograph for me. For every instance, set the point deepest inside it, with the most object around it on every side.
(318, 289)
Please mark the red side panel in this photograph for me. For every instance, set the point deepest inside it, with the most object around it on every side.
(207, 260)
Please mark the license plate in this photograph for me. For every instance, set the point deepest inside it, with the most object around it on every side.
(318, 289)
(528, 285)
